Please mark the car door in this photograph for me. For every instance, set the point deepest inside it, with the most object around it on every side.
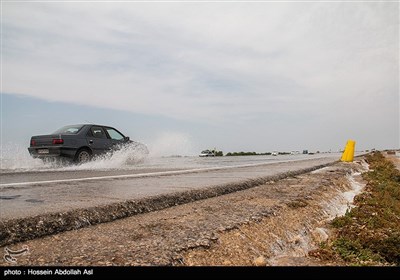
(97, 140)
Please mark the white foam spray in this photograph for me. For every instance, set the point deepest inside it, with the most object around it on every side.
(124, 156)
(16, 158)
(169, 144)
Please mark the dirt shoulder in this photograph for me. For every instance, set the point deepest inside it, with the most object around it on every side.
(369, 233)
(276, 223)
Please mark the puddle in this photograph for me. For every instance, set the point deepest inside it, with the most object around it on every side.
(34, 200)
(9, 197)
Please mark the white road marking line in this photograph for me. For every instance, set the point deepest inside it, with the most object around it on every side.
(141, 175)
(153, 174)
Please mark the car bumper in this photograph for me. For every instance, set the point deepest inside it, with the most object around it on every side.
(47, 152)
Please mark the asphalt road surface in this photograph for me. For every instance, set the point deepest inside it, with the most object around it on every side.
(31, 193)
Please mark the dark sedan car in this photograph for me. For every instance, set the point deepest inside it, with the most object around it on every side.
(77, 142)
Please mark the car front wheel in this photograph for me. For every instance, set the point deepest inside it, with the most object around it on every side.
(82, 156)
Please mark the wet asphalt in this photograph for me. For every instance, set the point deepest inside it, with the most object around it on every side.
(22, 195)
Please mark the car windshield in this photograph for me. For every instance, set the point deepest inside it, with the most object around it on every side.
(69, 129)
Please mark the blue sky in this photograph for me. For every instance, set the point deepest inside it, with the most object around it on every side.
(235, 76)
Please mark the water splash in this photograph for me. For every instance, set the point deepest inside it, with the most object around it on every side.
(161, 152)
(16, 158)
(124, 156)
(172, 144)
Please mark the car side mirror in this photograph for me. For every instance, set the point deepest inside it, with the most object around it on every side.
(126, 138)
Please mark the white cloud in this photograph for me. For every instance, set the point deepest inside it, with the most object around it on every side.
(208, 62)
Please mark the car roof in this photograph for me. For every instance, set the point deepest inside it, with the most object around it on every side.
(91, 124)
(88, 125)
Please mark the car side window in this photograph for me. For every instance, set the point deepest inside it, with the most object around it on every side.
(98, 132)
(115, 135)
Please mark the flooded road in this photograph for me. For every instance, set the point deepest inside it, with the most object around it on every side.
(34, 170)
(31, 193)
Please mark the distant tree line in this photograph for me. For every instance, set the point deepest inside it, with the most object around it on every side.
(232, 154)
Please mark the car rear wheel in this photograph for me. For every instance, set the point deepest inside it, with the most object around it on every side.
(83, 155)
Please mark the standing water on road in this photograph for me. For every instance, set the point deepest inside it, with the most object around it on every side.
(15, 158)
(130, 158)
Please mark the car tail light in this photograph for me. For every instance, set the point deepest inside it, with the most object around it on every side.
(58, 141)
(33, 143)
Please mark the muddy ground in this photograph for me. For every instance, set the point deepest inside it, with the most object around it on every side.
(274, 224)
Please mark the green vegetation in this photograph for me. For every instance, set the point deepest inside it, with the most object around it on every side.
(369, 234)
